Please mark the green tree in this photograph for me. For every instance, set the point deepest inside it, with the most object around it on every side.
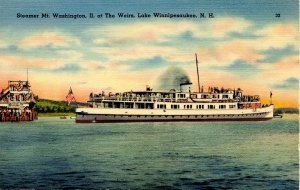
(45, 109)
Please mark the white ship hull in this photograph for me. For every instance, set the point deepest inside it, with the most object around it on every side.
(110, 115)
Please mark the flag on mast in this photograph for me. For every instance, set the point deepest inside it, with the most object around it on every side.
(271, 94)
(70, 96)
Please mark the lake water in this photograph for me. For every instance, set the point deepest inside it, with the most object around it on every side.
(57, 153)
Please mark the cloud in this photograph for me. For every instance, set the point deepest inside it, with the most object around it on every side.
(107, 88)
(282, 29)
(290, 83)
(225, 26)
(273, 55)
(149, 63)
(188, 36)
(133, 52)
(3, 44)
(127, 46)
(285, 68)
(243, 35)
(277, 36)
(241, 68)
(79, 83)
(158, 32)
(70, 54)
(228, 52)
(13, 62)
(93, 65)
(73, 68)
(52, 39)
(125, 42)
(140, 32)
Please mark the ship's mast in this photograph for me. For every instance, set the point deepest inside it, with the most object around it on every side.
(197, 72)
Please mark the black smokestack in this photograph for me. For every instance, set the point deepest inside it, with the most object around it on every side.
(172, 78)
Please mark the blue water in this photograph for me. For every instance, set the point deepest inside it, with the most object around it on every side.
(55, 153)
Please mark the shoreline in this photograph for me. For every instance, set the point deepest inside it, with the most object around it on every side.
(56, 114)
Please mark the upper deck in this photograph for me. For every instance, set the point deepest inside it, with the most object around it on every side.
(17, 95)
(223, 95)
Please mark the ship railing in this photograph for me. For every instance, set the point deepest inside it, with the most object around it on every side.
(159, 99)
(16, 101)
(24, 91)
(132, 99)
(3, 103)
(249, 102)
(137, 99)
(20, 102)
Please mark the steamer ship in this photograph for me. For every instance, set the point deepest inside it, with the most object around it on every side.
(17, 102)
(175, 105)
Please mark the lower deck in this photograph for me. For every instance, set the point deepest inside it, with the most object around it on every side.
(87, 115)
(17, 117)
(110, 118)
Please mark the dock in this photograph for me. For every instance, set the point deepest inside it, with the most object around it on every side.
(17, 102)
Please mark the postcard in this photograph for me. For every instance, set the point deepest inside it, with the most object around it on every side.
(149, 94)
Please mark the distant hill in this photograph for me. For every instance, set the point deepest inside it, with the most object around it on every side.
(286, 110)
(53, 106)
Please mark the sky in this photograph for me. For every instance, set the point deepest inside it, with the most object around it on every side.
(244, 46)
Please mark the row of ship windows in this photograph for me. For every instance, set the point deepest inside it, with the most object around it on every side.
(176, 106)
(189, 116)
